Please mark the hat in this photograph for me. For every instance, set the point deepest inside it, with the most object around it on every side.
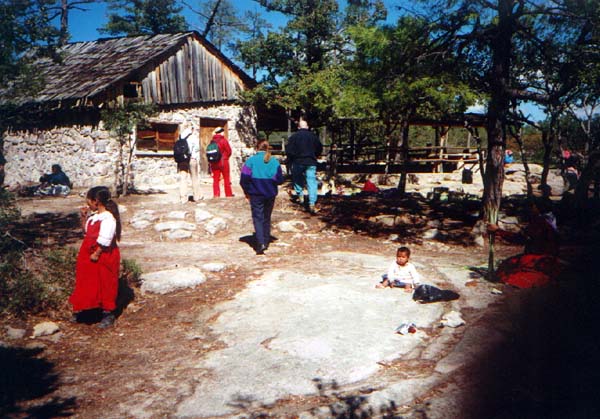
(218, 130)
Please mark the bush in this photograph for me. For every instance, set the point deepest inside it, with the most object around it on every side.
(33, 283)
(131, 272)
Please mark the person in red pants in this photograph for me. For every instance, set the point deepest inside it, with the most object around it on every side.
(221, 167)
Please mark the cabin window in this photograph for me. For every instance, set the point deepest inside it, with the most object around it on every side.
(130, 91)
(156, 136)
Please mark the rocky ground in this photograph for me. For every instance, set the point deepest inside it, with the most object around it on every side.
(301, 331)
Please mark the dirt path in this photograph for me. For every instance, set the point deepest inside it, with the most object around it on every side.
(148, 363)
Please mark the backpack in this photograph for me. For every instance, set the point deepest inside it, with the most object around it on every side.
(181, 151)
(213, 154)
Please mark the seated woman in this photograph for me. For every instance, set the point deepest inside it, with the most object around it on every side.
(539, 261)
(56, 183)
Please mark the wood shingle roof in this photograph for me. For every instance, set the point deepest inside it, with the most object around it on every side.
(91, 69)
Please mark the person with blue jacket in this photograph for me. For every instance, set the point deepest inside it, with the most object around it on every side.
(260, 176)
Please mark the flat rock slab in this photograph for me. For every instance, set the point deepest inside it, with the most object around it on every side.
(163, 282)
(288, 329)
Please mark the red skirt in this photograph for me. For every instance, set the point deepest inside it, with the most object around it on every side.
(528, 270)
(96, 283)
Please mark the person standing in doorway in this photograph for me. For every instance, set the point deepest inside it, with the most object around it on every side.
(189, 164)
(302, 150)
(221, 166)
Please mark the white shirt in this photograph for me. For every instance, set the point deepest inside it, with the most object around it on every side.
(108, 228)
(407, 273)
(194, 146)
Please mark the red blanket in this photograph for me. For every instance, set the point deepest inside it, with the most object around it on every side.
(528, 270)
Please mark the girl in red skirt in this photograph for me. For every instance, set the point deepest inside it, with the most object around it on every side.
(99, 259)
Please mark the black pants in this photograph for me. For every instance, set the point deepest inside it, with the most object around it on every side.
(261, 217)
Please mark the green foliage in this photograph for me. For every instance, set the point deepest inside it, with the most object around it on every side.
(9, 212)
(131, 272)
(249, 50)
(144, 17)
(364, 12)
(26, 33)
(122, 119)
(398, 67)
(29, 282)
(307, 44)
(33, 283)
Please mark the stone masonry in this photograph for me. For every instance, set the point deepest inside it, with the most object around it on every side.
(89, 155)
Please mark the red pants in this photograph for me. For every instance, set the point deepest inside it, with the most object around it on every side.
(218, 169)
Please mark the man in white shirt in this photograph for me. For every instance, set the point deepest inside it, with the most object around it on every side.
(192, 166)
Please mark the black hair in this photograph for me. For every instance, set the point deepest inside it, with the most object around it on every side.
(102, 195)
(57, 167)
(403, 249)
(91, 193)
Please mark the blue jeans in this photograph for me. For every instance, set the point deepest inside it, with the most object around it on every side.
(395, 283)
(262, 208)
(305, 175)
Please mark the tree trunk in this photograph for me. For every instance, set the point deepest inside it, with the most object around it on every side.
(405, 162)
(211, 19)
(546, 159)
(64, 22)
(388, 146)
(498, 108)
(589, 174)
(519, 139)
(127, 175)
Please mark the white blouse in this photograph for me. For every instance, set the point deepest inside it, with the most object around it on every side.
(108, 228)
(407, 273)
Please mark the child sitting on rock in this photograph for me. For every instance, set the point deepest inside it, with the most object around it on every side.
(401, 273)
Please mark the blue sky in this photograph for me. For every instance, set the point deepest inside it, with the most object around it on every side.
(83, 27)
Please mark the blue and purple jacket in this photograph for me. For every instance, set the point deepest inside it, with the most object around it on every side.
(259, 178)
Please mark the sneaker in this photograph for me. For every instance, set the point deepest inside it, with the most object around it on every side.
(108, 319)
(74, 318)
(312, 209)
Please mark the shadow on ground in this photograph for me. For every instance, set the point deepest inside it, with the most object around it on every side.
(26, 377)
(549, 364)
(41, 230)
(414, 214)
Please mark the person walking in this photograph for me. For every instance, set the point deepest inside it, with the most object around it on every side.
(221, 166)
(260, 176)
(188, 163)
(99, 259)
(302, 150)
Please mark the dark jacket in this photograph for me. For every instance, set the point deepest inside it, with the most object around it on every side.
(59, 178)
(303, 147)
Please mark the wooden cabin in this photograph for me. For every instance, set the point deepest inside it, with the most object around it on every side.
(191, 82)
